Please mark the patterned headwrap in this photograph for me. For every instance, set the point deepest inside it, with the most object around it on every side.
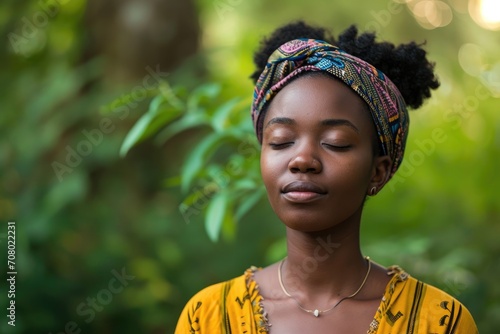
(387, 106)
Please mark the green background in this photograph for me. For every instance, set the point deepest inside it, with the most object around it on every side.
(75, 69)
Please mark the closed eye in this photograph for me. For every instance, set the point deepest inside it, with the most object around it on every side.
(280, 146)
(337, 147)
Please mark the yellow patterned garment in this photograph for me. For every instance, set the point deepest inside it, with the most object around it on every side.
(408, 306)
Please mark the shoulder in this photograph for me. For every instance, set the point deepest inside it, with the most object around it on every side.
(208, 309)
(412, 304)
(444, 310)
(209, 298)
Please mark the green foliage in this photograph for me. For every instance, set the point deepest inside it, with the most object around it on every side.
(222, 169)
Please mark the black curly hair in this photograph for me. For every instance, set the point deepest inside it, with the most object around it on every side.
(406, 64)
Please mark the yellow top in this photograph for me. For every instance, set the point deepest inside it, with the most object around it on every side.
(408, 306)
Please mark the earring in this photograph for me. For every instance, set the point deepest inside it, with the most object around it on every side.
(373, 191)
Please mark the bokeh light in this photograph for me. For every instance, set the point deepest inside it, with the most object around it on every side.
(431, 14)
(470, 57)
(486, 13)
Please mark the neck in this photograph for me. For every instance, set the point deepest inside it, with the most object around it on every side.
(322, 267)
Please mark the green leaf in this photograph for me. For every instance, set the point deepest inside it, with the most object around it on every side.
(200, 156)
(135, 134)
(125, 100)
(174, 181)
(155, 104)
(165, 116)
(137, 131)
(215, 215)
(220, 116)
(188, 121)
(207, 191)
(248, 203)
(208, 91)
(245, 184)
(156, 117)
(171, 96)
(229, 224)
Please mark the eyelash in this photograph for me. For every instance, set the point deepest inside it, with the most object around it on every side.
(280, 146)
(337, 148)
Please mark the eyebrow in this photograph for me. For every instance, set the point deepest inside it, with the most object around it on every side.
(280, 120)
(339, 122)
(326, 122)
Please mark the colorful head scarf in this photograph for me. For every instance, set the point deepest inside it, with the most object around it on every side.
(387, 106)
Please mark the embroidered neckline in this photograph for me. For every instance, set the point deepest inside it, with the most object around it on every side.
(399, 275)
(260, 313)
(262, 321)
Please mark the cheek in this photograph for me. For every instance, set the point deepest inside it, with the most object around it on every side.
(354, 171)
(270, 168)
(348, 178)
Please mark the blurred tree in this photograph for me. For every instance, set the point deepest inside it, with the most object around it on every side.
(135, 34)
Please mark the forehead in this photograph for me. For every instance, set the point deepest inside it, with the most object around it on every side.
(312, 99)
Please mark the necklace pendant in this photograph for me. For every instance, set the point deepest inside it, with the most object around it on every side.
(316, 313)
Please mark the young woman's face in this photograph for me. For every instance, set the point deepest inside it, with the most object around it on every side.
(317, 157)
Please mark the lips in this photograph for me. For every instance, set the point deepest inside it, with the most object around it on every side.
(302, 191)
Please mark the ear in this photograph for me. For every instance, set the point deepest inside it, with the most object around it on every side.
(381, 171)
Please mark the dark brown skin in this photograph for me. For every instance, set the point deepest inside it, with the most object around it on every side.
(318, 165)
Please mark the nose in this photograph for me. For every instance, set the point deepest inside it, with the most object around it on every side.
(304, 161)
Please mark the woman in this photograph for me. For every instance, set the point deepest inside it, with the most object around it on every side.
(333, 129)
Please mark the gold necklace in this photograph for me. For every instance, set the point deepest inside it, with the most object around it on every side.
(317, 312)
